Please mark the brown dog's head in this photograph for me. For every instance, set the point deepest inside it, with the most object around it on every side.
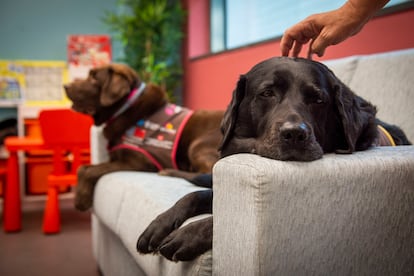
(295, 109)
(101, 93)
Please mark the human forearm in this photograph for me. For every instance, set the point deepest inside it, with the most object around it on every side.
(363, 9)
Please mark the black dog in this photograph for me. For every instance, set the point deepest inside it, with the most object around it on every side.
(284, 109)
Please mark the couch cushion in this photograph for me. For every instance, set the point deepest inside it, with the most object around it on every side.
(126, 202)
(386, 80)
(343, 68)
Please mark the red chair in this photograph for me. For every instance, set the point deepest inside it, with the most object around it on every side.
(66, 133)
(3, 171)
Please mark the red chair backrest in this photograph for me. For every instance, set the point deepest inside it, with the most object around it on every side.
(64, 130)
(65, 127)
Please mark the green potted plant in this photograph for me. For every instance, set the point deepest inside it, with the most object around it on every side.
(151, 33)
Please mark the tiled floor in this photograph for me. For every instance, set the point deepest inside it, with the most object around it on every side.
(30, 252)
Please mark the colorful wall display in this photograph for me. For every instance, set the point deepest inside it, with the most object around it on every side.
(86, 52)
(37, 83)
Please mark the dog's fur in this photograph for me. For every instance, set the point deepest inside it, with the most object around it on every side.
(103, 93)
(284, 109)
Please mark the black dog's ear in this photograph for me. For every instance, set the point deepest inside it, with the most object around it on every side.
(357, 117)
(230, 116)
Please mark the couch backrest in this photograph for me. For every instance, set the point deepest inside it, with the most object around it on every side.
(386, 80)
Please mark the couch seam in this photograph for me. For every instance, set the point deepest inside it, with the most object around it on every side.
(260, 213)
(121, 206)
(355, 65)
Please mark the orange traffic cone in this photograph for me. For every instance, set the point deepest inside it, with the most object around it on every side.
(51, 218)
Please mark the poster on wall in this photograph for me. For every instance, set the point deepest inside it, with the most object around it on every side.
(36, 83)
(86, 52)
(10, 89)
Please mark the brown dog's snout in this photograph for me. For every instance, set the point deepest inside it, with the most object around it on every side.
(294, 133)
(66, 86)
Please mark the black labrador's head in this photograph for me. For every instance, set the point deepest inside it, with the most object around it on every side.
(295, 109)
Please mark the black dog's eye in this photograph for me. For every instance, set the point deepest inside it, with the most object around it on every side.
(314, 96)
(267, 93)
(318, 100)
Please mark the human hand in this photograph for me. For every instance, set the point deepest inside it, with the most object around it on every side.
(324, 29)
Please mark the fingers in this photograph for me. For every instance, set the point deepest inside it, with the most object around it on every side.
(318, 45)
(310, 53)
(286, 44)
(292, 45)
(296, 37)
(297, 48)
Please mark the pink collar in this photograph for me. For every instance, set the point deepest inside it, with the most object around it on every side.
(131, 98)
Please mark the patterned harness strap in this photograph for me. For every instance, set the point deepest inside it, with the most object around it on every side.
(157, 136)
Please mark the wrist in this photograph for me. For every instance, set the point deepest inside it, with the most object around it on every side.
(363, 9)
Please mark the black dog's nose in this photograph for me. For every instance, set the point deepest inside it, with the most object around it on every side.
(293, 133)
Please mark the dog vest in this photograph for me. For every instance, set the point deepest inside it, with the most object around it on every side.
(384, 138)
(157, 136)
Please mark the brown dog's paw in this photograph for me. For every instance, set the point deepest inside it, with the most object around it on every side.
(82, 201)
(188, 242)
(84, 190)
(83, 197)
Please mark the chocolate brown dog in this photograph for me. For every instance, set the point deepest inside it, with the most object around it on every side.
(144, 131)
(283, 109)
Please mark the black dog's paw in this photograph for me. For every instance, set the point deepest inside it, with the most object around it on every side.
(192, 204)
(188, 242)
(151, 238)
(203, 180)
(155, 233)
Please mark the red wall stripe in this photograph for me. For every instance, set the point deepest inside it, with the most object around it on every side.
(210, 80)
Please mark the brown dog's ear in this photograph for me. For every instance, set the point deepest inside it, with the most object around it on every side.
(230, 116)
(127, 72)
(120, 80)
(357, 117)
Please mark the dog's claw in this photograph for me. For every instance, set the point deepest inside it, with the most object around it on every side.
(141, 248)
(188, 242)
(145, 246)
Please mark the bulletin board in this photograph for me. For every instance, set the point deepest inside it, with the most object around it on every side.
(40, 83)
(34, 83)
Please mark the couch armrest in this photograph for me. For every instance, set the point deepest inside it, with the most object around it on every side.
(340, 215)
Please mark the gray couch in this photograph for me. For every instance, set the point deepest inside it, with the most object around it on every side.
(341, 215)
